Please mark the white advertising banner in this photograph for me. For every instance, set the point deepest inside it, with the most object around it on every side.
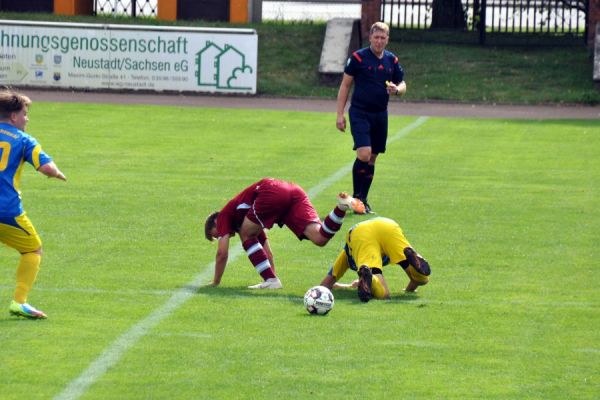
(94, 56)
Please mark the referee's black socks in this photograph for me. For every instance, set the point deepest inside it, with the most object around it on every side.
(359, 171)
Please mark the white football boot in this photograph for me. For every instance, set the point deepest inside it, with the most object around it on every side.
(271, 283)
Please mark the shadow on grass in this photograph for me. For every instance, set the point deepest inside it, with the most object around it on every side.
(346, 296)
(10, 319)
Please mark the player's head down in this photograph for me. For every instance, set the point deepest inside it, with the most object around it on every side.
(210, 226)
(365, 278)
(370, 285)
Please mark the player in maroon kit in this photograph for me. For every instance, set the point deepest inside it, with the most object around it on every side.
(260, 206)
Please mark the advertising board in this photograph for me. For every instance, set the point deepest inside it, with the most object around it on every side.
(108, 56)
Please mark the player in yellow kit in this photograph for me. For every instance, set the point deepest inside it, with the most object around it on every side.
(370, 246)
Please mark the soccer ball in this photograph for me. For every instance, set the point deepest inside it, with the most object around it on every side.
(318, 300)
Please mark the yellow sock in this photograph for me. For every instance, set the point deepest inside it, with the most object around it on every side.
(26, 274)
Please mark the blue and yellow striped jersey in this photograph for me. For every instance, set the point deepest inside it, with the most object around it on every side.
(16, 147)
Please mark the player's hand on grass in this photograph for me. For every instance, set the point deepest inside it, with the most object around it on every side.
(60, 175)
(411, 287)
(352, 285)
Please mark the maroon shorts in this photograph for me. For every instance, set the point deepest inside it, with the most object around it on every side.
(282, 203)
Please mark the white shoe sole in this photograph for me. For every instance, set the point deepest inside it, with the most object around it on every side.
(267, 285)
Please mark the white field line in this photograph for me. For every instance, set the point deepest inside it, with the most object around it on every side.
(113, 353)
(588, 350)
(336, 176)
(407, 129)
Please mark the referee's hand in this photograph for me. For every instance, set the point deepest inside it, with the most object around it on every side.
(341, 123)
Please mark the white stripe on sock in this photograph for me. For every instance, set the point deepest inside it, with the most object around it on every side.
(263, 266)
(327, 229)
(254, 248)
(335, 218)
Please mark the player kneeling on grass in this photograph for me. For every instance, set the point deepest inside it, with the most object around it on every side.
(370, 246)
(260, 206)
(16, 230)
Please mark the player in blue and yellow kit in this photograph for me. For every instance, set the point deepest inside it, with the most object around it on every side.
(16, 230)
(376, 74)
(370, 246)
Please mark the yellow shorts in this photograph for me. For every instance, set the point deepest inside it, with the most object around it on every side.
(341, 265)
(19, 233)
(367, 244)
(370, 240)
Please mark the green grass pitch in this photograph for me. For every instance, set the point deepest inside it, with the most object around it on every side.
(506, 211)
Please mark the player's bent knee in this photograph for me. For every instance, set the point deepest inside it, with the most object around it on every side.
(364, 154)
(312, 233)
(415, 276)
(320, 241)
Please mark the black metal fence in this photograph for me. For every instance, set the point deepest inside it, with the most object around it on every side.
(133, 8)
(538, 17)
(553, 19)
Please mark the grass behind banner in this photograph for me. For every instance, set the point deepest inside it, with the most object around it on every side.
(507, 213)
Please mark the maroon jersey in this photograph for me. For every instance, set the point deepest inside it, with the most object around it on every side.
(232, 215)
(266, 203)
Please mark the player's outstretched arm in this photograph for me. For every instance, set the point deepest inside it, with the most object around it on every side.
(328, 282)
(353, 284)
(221, 259)
(51, 171)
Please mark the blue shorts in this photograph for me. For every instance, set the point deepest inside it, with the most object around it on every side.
(369, 129)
